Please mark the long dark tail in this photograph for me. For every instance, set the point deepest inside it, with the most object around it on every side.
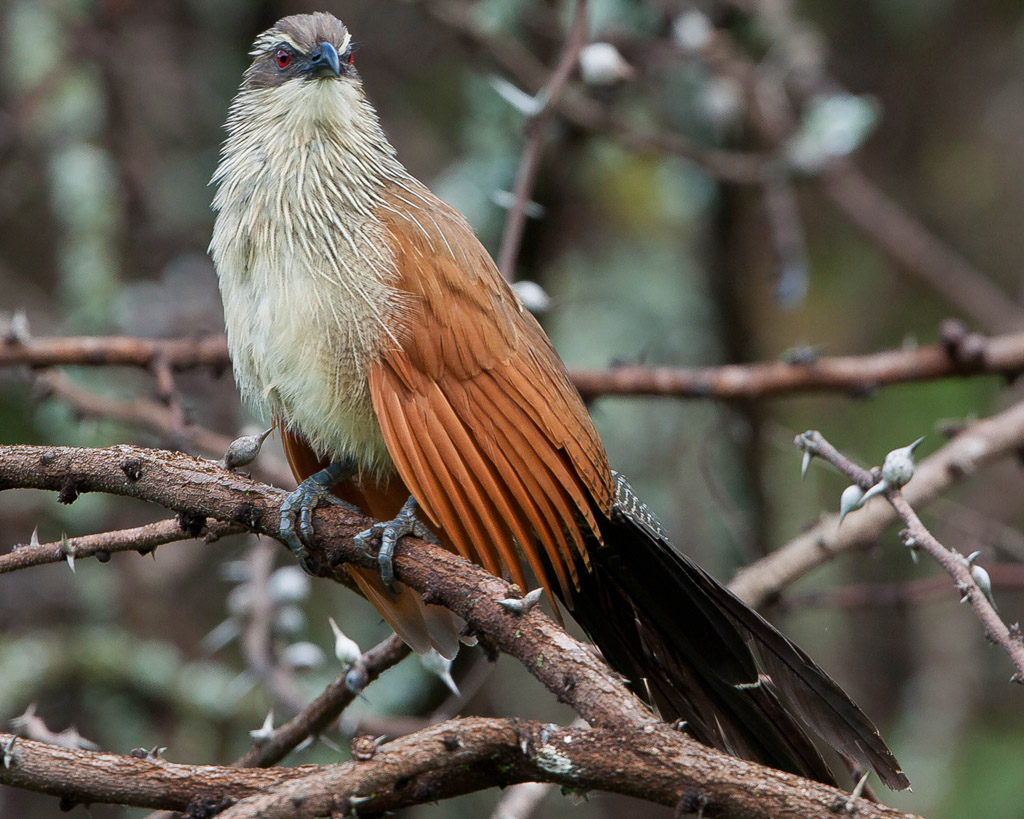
(702, 655)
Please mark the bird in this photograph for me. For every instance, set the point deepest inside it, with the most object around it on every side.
(365, 318)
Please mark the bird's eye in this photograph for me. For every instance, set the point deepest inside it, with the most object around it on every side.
(283, 58)
(351, 57)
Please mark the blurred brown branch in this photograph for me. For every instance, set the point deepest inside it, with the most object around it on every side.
(898, 233)
(727, 166)
(1005, 576)
(972, 354)
(177, 353)
(959, 354)
(536, 130)
(905, 240)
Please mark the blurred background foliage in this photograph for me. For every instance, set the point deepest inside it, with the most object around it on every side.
(110, 122)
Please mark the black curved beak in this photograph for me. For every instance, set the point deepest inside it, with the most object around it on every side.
(324, 61)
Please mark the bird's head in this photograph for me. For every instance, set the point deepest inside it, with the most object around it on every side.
(301, 112)
(302, 86)
(302, 49)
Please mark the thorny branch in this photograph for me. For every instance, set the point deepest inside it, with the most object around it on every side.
(142, 539)
(955, 565)
(316, 717)
(197, 488)
(445, 760)
(255, 640)
(977, 446)
(727, 166)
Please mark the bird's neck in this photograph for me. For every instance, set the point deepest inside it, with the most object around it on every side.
(306, 265)
(307, 142)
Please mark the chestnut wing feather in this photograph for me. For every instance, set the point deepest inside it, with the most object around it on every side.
(478, 412)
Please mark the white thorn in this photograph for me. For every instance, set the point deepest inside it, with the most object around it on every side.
(18, 331)
(857, 791)
(69, 553)
(345, 648)
(303, 655)
(243, 450)
(8, 751)
(265, 731)
(877, 489)
(603, 64)
(852, 498)
(517, 98)
(898, 467)
(981, 578)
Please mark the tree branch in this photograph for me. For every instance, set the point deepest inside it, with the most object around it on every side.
(637, 754)
(955, 565)
(657, 764)
(178, 353)
(536, 129)
(959, 354)
(917, 251)
(155, 416)
(584, 111)
(141, 539)
(316, 717)
(199, 489)
(979, 445)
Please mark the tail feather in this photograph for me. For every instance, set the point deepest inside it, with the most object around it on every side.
(704, 656)
(421, 625)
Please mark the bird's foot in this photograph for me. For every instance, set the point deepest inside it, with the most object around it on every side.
(404, 523)
(297, 509)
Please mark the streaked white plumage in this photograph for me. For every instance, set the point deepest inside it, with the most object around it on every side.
(279, 206)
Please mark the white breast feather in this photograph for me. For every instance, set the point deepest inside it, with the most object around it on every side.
(305, 273)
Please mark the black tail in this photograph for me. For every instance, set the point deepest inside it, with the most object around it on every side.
(702, 655)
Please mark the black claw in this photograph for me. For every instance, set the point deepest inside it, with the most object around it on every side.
(300, 504)
(385, 563)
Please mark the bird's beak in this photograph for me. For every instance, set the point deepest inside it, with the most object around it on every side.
(324, 61)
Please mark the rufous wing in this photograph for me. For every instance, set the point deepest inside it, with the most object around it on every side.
(477, 411)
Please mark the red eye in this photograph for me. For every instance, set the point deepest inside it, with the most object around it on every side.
(351, 57)
(283, 58)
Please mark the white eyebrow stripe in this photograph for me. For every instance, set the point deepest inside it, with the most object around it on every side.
(269, 40)
(273, 38)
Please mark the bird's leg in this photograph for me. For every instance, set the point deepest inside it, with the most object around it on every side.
(299, 505)
(404, 523)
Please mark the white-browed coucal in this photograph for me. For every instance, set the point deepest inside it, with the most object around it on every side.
(366, 318)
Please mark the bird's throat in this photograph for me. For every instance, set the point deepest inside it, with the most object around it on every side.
(306, 268)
